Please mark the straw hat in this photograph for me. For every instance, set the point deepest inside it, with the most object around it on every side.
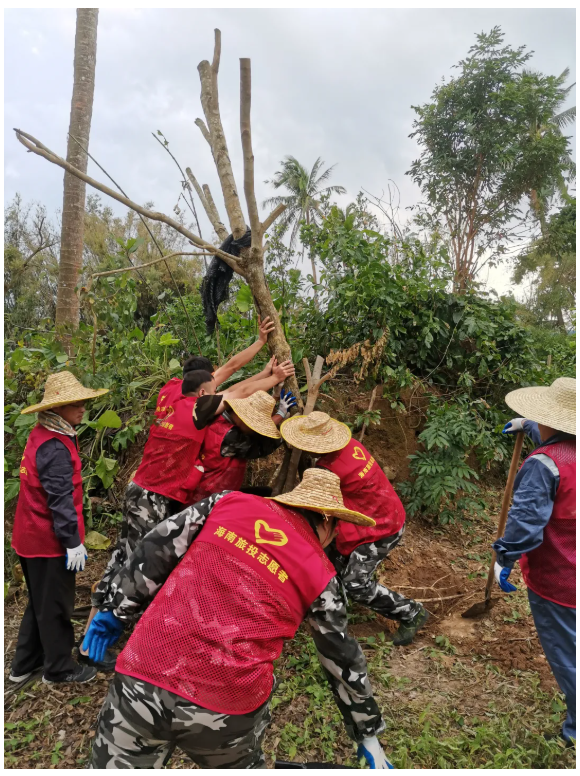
(315, 433)
(320, 492)
(63, 388)
(554, 405)
(256, 412)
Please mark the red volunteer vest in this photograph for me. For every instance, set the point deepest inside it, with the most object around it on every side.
(167, 395)
(220, 473)
(366, 489)
(213, 631)
(168, 464)
(33, 534)
(550, 569)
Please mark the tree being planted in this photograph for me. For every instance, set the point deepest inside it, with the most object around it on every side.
(249, 264)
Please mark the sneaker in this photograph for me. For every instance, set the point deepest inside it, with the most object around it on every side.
(17, 678)
(406, 631)
(106, 665)
(21, 678)
(81, 674)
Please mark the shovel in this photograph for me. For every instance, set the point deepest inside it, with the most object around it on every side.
(482, 606)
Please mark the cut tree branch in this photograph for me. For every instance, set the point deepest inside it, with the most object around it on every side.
(217, 139)
(208, 205)
(36, 147)
(272, 217)
(246, 132)
(148, 264)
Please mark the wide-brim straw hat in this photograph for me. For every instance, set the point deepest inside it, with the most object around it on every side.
(320, 492)
(315, 433)
(256, 412)
(63, 388)
(553, 405)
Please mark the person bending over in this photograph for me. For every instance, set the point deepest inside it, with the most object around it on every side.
(359, 550)
(222, 585)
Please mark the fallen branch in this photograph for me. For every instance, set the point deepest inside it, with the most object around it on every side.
(443, 598)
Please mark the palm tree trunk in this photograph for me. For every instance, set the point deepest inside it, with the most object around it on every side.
(313, 263)
(73, 206)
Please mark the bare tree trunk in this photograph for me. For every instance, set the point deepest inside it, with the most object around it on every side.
(313, 263)
(73, 205)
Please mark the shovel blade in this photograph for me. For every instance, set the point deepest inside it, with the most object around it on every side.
(481, 607)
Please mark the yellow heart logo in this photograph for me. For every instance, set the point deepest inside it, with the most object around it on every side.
(262, 530)
(358, 454)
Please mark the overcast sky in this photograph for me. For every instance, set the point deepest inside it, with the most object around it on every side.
(332, 83)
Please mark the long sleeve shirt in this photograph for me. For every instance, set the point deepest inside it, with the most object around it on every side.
(535, 489)
(340, 654)
(55, 472)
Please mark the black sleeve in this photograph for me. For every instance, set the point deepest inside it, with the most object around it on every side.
(236, 444)
(204, 410)
(55, 472)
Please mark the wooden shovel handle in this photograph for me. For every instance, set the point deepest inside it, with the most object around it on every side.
(505, 505)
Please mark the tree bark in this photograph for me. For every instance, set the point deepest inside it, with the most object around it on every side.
(314, 382)
(217, 139)
(73, 205)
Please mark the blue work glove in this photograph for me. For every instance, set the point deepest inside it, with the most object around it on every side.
(287, 400)
(514, 425)
(104, 631)
(372, 751)
(501, 575)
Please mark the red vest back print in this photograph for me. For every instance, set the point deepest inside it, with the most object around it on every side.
(170, 392)
(219, 473)
(173, 446)
(550, 569)
(33, 535)
(366, 489)
(213, 631)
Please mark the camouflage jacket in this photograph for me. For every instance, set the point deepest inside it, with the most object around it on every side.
(340, 654)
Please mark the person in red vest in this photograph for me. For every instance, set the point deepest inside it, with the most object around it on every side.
(49, 532)
(166, 480)
(172, 389)
(541, 528)
(247, 429)
(222, 585)
(359, 550)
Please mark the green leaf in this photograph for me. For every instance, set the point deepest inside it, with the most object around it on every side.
(174, 365)
(62, 359)
(106, 470)
(244, 299)
(137, 334)
(11, 490)
(109, 419)
(168, 339)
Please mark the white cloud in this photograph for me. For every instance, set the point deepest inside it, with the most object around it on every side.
(332, 83)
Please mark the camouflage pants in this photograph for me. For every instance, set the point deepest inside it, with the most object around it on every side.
(140, 725)
(357, 573)
(142, 511)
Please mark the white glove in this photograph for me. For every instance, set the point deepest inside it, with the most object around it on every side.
(372, 751)
(76, 558)
(517, 424)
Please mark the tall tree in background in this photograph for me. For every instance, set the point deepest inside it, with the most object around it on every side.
(73, 205)
(304, 197)
(550, 265)
(548, 116)
(479, 158)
